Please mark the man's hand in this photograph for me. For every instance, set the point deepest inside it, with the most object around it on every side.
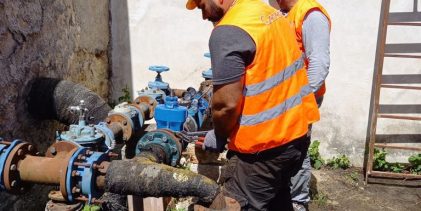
(212, 143)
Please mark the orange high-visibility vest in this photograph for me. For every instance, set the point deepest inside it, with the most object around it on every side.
(296, 16)
(278, 102)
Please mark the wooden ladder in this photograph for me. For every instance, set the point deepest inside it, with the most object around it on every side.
(400, 81)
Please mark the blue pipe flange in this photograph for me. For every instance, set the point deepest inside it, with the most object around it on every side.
(5, 149)
(109, 141)
(81, 175)
(130, 117)
(164, 139)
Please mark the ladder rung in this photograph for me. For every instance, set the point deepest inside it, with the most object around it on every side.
(404, 17)
(402, 56)
(402, 48)
(389, 116)
(397, 147)
(393, 175)
(401, 79)
(404, 24)
(400, 87)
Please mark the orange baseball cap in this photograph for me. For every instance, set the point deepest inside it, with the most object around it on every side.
(190, 5)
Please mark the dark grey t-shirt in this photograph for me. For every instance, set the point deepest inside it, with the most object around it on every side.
(232, 50)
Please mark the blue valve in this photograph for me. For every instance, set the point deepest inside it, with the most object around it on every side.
(159, 68)
(158, 83)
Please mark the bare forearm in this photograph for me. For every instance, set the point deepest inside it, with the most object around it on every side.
(226, 108)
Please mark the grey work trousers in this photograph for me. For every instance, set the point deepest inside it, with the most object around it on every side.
(261, 181)
(300, 183)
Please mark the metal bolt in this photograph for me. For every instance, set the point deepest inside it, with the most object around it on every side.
(75, 190)
(165, 139)
(149, 137)
(96, 166)
(53, 151)
(124, 122)
(112, 154)
(13, 183)
(20, 152)
(75, 173)
(13, 167)
(81, 157)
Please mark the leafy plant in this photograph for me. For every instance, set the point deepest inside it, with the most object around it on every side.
(91, 208)
(316, 160)
(415, 161)
(381, 164)
(320, 199)
(339, 162)
(353, 176)
(127, 96)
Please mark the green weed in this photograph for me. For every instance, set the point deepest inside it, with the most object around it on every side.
(316, 160)
(339, 162)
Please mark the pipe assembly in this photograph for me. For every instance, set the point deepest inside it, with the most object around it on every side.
(82, 163)
(84, 175)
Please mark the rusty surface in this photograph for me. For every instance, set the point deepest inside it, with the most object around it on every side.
(61, 146)
(173, 137)
(12, 180)
(56, 196)
(117, 131)
(221, 203)
(124, 123)
(179, 92)
(150, 102)
(47, 170)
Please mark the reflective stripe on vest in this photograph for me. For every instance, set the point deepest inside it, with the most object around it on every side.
(277, 110)
(275, 80)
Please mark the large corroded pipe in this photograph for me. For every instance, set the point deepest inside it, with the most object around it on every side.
(42, 170)
(142, 176)
(50, 98)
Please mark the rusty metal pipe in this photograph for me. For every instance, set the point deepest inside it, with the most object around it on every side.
(142, 176)
(42, 170)
(117, 130)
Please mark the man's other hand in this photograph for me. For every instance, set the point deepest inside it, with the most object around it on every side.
(212, 143)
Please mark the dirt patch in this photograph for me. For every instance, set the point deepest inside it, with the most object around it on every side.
(345, 190)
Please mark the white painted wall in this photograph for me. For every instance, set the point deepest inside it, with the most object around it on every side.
(163, 32)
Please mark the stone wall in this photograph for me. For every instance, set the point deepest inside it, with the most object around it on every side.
(66, 39)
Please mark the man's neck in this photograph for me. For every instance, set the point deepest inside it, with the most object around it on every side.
(287, 5)
(227, 4)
